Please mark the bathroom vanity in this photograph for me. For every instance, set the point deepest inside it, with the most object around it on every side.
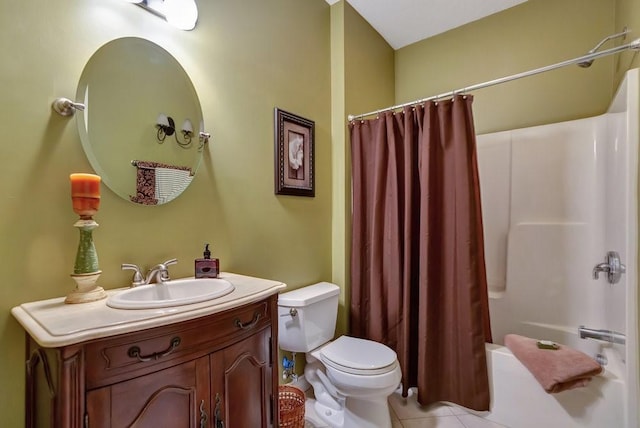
(209, 364)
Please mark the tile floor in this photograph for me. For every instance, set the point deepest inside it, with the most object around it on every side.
(407, 413)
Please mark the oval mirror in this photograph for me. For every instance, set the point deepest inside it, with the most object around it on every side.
(129, 86)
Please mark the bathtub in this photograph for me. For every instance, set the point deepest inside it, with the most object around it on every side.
(518, 400)
(555, 199)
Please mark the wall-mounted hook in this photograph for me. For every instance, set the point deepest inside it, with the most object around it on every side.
(66, 107)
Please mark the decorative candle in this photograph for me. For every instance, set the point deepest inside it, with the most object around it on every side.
(85, 193)
(85, 185)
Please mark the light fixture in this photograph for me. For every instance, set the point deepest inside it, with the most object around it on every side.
(167, 127)
(187, 133)
(182, 14)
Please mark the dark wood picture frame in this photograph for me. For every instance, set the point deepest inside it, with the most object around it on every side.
(294, 154)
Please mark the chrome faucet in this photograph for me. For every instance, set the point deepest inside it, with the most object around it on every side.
(160, 271)
(601, 334)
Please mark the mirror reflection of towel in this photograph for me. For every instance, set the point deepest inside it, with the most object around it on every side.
(158, 183)
(170, 183)
(145, 185)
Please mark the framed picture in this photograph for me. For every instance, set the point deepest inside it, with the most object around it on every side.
(294, 154)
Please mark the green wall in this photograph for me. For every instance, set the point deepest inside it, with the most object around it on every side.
(362, 69)
(244, 58)
(533, 34)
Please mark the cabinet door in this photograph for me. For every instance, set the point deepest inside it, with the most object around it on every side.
(174, 397)
(241, 391)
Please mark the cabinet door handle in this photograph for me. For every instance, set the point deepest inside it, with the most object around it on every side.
(203, 415)
(134, 351)
(250, 324)
(217, 420)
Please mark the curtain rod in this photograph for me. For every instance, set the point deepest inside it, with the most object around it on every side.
(634, 45)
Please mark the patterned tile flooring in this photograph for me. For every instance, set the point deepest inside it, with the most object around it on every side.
(407, 413)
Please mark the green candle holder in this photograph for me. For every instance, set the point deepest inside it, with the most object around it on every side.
(86, 270)
(86, 257)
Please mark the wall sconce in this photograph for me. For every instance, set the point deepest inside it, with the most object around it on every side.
(182, 14)
(167, 127)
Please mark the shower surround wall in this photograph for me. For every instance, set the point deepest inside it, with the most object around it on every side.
(555, 199)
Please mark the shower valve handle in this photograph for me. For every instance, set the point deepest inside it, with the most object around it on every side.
(612, 267)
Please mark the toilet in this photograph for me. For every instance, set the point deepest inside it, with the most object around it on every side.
(351, 378)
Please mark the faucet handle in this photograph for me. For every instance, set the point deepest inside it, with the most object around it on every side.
(137, 275)
(164, 272)
(170, 262)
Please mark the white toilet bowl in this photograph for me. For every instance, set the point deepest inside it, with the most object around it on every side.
(352, 379)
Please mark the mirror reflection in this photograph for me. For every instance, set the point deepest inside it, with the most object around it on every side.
(131, 88)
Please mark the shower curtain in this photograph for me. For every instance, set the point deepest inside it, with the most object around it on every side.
(418, 281)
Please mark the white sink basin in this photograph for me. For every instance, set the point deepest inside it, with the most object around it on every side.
(175, 292)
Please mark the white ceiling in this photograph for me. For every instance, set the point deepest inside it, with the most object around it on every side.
(402, 22)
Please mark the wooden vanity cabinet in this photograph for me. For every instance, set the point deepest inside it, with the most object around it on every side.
(170, 397)
(215, 371)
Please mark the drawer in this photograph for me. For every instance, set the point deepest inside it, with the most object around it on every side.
(121, 357)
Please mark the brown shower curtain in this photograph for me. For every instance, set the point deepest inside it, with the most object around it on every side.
(418, 281)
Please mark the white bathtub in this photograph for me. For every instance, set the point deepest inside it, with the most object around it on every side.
(555, 199)
(518, 400)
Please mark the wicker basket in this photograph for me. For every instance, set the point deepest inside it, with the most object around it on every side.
(291, 406)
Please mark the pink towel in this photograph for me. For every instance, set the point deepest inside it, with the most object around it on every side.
(556, 370)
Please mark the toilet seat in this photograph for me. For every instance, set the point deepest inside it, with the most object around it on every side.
(359, 356)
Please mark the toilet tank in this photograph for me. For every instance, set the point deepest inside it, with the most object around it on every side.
(307, 317)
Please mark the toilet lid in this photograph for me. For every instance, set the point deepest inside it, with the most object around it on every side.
(359, 356)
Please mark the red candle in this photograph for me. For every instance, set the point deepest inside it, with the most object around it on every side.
(85, 193)
(85, 185)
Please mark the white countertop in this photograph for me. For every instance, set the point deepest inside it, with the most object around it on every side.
(53, 323)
